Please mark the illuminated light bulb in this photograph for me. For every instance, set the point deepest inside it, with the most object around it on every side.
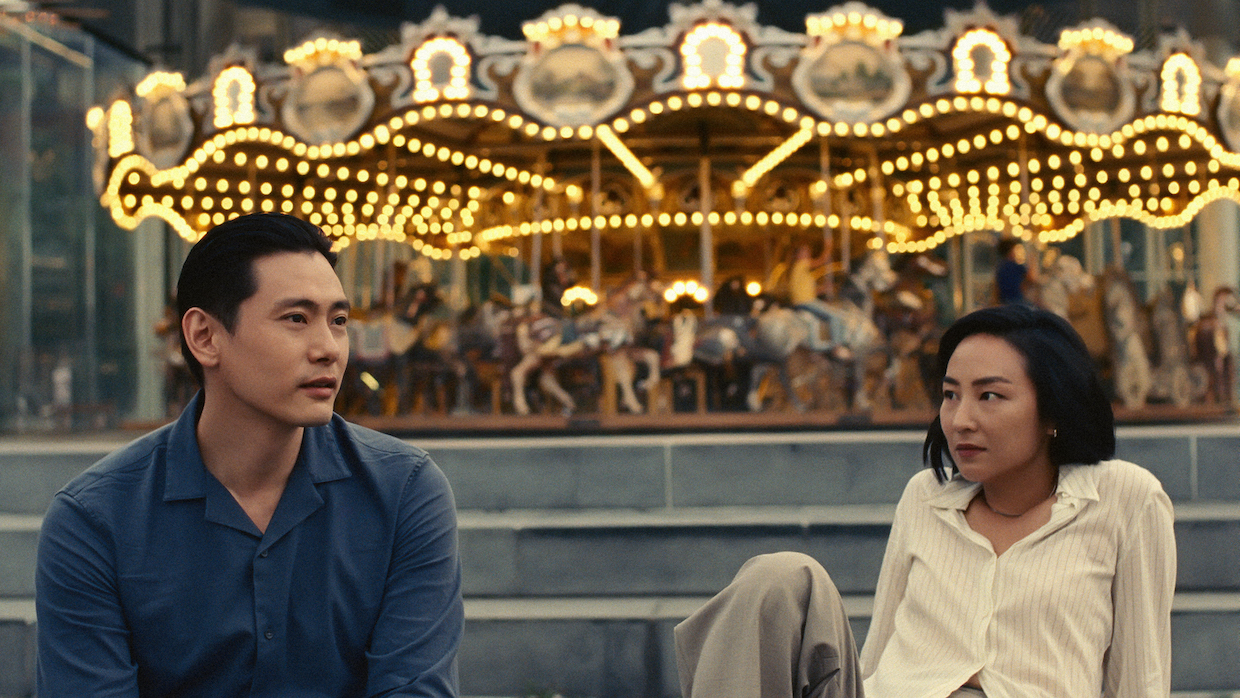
(233, 96)
(1181, 85)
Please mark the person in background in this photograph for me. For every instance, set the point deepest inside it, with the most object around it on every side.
(259, 545)
(1023, 561)
(556, 279)
(804, 276)
(1014, 279)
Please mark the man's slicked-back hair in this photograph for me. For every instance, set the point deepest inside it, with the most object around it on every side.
(1069, 392)
(218, 273)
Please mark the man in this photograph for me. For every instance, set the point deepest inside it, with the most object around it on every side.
(1013, 278)
(260, 545)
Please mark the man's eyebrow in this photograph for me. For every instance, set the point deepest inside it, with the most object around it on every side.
(987, 380)
(308, 304)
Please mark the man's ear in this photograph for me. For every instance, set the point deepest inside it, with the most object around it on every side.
(202, 334)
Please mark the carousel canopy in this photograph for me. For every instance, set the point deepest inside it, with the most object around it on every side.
(463, 144)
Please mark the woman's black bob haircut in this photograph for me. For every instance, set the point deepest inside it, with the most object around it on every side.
(1069, 392)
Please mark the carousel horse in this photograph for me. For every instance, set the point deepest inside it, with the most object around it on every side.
(423, 336)
(1211, 343)
(841, 329)
(1075, 295)
(541, 346)
(907, 314)
(486, 342)
(838, 330)
(544, 343)
(1132, 375)
(1174, 378)
(626, 324)
(713, 353)
(1066, 278)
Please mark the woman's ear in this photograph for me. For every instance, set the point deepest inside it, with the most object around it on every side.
(201, 332)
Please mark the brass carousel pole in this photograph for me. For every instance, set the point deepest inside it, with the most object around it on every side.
(536, 245)
(456, 296)
(573, 193)
(638, 231)
(596, 175)
(706, 234)
(877, 195)
(828, 239)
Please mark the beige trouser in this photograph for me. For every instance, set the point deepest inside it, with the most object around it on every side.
(777, 631)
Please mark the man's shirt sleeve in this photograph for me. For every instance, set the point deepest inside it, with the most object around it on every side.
(421, 619)
(83, 642)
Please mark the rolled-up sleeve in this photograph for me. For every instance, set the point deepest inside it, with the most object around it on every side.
(414, 644)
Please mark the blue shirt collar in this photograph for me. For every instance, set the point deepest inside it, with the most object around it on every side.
(187, 478)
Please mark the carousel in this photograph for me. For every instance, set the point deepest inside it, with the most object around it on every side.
(709, 223)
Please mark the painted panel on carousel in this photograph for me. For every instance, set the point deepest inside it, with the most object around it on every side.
(329, 98)
(852, 70)
(1089, 87)
(1229, 106)
(573, 74)
(163, 124)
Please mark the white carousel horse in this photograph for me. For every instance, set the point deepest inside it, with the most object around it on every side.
(543, 342)
(839, 330)
(842, 329)
(1133, 377)
(1212, 345)
(624, 321)
(1066, 279)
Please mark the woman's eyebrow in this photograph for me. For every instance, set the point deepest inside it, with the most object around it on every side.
(986, 380)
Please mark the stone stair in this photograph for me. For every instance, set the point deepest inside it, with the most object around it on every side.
(581, 553)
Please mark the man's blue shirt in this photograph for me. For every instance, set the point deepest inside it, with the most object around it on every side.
(152, 581)
(1009, 280)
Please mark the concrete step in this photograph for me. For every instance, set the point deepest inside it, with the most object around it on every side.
(32, 471)
(690, 551)
(696, 551)
(622, 647)
(17, 643)
(1194, 463)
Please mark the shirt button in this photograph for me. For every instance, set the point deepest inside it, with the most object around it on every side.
(269, 634)
(263, 554)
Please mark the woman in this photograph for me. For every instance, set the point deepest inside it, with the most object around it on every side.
(1022, 563)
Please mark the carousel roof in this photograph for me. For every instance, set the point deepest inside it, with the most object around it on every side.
(458, 142)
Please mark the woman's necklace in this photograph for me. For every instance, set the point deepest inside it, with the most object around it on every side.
(986, 503)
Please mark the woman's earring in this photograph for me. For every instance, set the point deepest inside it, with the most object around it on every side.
(1054, 433)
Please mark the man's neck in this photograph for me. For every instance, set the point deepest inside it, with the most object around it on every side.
(252, 459)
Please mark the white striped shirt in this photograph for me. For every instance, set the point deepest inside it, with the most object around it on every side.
(1081, 607)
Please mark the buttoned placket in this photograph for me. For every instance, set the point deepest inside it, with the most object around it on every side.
(1063, 511)
(272, 561)
(266, 615)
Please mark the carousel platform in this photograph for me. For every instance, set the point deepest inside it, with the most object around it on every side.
(581, 553)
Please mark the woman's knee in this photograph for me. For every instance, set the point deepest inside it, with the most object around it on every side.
(787, 573)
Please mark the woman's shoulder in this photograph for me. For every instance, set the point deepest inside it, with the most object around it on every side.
(1118, 480)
